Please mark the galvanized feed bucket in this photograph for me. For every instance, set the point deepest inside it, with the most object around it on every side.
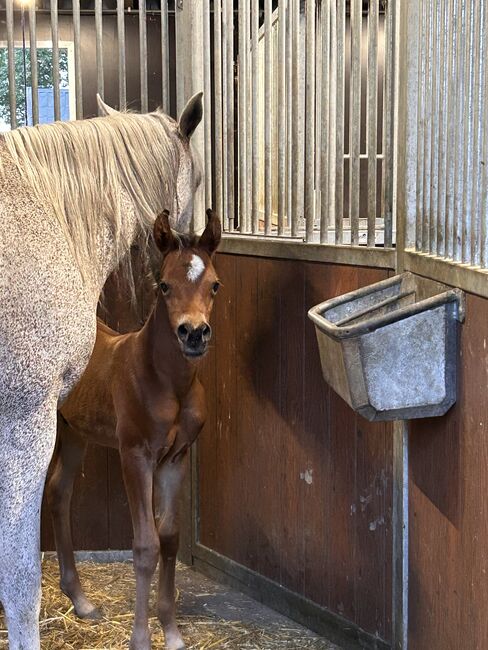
(389, 351)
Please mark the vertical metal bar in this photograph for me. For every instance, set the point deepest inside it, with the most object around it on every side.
(340, 106)
(310, 120)
(324, 121)
(99, 47)
(282, 115)
(249, 109)
(372, 117)
(422, 71)
(355, 118)
(434, 130)
(268, 192)
(479, 119)
(289, 112)
(451, 133)
(55, 58)
(388, 122)
(229, 110)
(225, 152)
(195, 36)
(442, 127)
(11, 63)
(218, 108)
(143, 54)
(121, 44)
(295, 26)
(427, 127)
(207, 98)
(165, 56)
(254, 125)
(242, 99)
(459, 146)
(484, 169)
(33, 62)
(468, 135)
(333, 116)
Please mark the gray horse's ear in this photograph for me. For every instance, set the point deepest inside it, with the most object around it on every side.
(104, 108)
(163, 235)
(212, 234)
(191, 116)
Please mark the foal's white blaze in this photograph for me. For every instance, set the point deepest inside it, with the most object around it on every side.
(196, 268)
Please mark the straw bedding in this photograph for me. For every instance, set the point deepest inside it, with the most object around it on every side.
(203, 626)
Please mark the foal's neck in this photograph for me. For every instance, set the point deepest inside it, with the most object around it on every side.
(162, 348)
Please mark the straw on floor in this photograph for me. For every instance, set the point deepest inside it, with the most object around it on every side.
(112, 587)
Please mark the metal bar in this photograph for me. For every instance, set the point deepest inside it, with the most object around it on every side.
(468, 136)
(165, 56)
(451, 127)
(225, 152)
(242, 106)
(254, 124)
(295, 26)
(324, 121)
(268, 191)
(207, 98)
(434, 125)
(249, 117)
(310, 120)
(340, 106)
(33, 62)
(332, 115)
(459, 140)
(143, 54)
(484, 170)
(55, 59)
(479, 48)
(229, 110)
(11, 63)
(427, 126)
(121, 44)
(282, 115)
(388, 123)
(419, 215)
(442, 127)
(218, 107)
(372, 117)
(355, 118)
(289, 112)
(99, 47)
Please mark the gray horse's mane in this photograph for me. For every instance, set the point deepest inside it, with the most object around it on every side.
(85, 169)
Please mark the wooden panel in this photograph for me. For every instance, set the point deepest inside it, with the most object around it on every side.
(311, 484)
(449, 510)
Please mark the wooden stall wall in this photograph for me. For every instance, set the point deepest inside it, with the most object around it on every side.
(292, 483)
(448, 581)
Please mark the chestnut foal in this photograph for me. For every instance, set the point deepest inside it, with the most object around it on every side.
(140, 393)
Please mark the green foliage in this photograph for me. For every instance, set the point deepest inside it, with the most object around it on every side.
(44, 72)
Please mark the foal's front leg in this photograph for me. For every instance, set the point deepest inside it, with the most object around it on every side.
(137, 469)
(168, 481)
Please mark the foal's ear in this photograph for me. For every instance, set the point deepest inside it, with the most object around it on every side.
(163, 236)
(210, 238)
(191, 116)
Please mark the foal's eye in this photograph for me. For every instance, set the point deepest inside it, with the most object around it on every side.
(164, 288)
(215, 287)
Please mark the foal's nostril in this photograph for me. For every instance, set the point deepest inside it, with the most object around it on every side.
(206, 332)
(183, 332)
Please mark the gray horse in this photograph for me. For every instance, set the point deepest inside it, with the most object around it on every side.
(73, 197)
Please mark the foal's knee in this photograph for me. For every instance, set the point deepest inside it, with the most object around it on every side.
(168, 538)
(146, 557)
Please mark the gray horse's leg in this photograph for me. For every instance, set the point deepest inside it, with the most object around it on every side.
(67, 462)
(26, 446)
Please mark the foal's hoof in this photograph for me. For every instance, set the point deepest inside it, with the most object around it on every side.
(173, 639)
(93, 614)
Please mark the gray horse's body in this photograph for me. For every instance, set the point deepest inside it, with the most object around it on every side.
(47, 332)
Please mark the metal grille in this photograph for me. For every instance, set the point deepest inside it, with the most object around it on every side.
(451, 211)
(308, 153)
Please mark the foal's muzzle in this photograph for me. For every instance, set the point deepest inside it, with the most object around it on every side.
(194, 340)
